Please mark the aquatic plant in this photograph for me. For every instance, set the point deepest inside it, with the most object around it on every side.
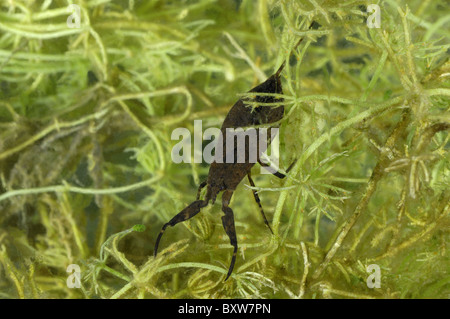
(86, 115)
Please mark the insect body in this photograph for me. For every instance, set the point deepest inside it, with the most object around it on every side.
(225, 176)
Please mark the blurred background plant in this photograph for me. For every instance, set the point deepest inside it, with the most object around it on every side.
(86, 116)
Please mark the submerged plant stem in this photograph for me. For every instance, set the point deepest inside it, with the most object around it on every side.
(80, 190)
(377, 174)
(322, 139)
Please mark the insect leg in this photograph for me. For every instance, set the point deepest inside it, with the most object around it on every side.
(187, 213)
(279, 174)
(203, 184)
(228, 225)
(258, 201)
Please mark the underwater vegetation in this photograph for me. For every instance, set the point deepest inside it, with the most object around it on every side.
(91, 91)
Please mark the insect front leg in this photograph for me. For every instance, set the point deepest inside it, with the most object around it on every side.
(228, 225)
(187, 213)
(258, 201)
(278, 173)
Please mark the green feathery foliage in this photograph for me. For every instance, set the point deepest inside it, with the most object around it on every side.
(86, 116)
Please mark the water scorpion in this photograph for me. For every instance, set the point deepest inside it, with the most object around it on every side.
(225, 176)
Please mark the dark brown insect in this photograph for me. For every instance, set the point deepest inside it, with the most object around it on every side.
(224, 176)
